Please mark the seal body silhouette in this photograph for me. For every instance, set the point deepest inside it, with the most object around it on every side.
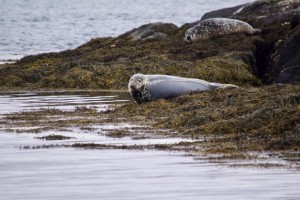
(144, 88)
(215, 27)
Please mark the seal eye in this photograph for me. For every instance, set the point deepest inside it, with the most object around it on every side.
(140, 80)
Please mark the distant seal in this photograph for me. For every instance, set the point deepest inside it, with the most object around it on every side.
(144, 88)
(214, 27)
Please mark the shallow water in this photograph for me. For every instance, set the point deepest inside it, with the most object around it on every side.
(34, 26)
(72, 173)
(65, 100)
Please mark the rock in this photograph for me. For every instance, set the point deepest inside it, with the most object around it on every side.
(277, 45)
(267, 12)
(225, 12)
(152, 31)
(284, 66)
(260, 12)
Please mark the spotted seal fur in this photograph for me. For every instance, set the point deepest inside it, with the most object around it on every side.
(214, 27)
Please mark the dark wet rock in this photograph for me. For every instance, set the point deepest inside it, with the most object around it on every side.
(284, 66)
(277, 46)
(266, 13)
(225, 12)
(261, 12)
(152, 31)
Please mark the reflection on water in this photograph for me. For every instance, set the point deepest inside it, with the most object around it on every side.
(69, 173)
(14, 102)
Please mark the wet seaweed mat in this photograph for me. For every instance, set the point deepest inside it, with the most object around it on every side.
(234, 121)
(76, 124)
(228, 125)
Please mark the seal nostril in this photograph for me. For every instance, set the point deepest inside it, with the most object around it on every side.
(132, 87)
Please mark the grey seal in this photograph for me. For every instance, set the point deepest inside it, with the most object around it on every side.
(144, 88)
(214, 27)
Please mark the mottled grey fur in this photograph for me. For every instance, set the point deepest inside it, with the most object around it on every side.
(214, 27)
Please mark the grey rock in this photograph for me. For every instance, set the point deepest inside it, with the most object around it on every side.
(152, 31)
(284, 66)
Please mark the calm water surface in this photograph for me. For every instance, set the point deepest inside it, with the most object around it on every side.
(34, 26)
(68, 173)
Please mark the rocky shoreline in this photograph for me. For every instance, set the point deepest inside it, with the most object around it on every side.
(262, 115)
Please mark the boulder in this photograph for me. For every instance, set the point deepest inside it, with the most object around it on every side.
(284, 64)
(260, 12)
(224, 12)
(278, 45)
(267, 12)
(157, 30)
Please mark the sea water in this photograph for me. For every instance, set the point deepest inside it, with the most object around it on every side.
(38, 26)
(73, 173)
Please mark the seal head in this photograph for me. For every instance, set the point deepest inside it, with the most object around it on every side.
(189, 35)
(137, 87)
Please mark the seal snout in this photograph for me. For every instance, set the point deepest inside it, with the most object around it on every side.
(135, 85)
(188, 38)
(132, 86)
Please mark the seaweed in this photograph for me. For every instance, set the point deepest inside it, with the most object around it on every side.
(108, 63)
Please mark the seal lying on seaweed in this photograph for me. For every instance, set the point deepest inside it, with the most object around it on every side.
(214, 27)
(144, 88)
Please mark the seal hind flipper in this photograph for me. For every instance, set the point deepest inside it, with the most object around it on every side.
(222, 86)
